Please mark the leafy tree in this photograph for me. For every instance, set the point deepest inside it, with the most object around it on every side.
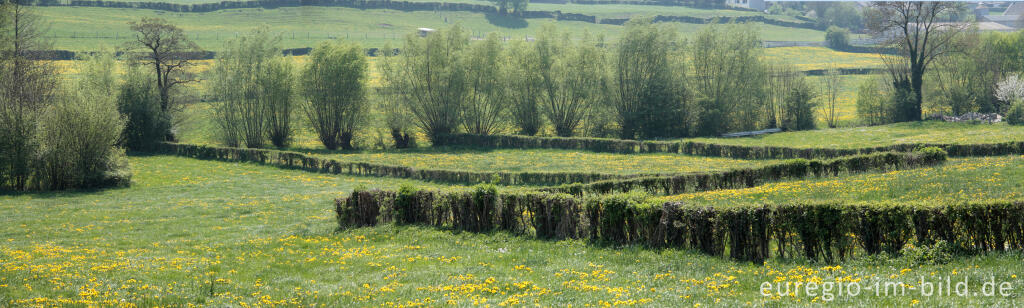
(649, 83)
(524, 87)
(334, 85)
(487, 99)
(430, 80)
(27, 88)
(80, 132)
(572, 76)
(241, 81)
(871, 103)
(837, 38)
(164, 47)
(918, 31)
(397, 117)
(799, 106)
(511, 6)
(277, 84)
(139, 101)
(728, 71)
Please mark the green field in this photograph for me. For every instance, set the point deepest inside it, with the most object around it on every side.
(963, 179)
(88, 29)
(226, 234)
(548, 161)
(882, 135)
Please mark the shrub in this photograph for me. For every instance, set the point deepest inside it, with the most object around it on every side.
(799, 107)
(139, 101)
(1015, 116)
(78, 138)
(837, 38)
(871, 104)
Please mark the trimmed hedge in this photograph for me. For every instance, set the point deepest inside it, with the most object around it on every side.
(711, 149)
(599, 183)
(295, 160)
(750, 177)
(828, 231)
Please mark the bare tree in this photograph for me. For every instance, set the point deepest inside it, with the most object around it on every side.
(26, 89)
(920, 33)
(831, 85)
(167, 49)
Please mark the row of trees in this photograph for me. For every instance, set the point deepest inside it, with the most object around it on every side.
(652, 85)
(443, 83)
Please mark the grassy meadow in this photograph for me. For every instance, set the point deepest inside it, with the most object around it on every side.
(206, 233)
(88, 29)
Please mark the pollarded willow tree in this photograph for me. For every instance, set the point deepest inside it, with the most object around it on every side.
(487, 99)
(430, 80)
(572, 79)
(523, 84)
(254, 85)
(729, 78)
(649, 86)
(334, 85)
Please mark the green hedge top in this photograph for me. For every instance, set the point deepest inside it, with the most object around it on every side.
(712, 149)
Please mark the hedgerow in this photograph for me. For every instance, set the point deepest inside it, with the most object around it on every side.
(712, 149)
(821, 231)
(599, 183)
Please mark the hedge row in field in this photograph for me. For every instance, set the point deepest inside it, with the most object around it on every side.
(816, 231)
(750, 177)
(600, 183)
(711, 149)
(305, 162)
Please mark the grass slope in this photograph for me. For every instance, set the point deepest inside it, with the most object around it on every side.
(88, 29)
(964, 179)
(220, 234)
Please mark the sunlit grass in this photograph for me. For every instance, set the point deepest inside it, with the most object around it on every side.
(224, 234)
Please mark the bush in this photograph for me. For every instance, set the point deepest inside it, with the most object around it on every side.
(78, 138)
(871, 104)
(837, 38)
(799, 107)
(1015, 116)
(139, 101)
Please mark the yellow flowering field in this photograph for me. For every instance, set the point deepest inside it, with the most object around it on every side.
(201, 233)
(960, 179)
(816, 58)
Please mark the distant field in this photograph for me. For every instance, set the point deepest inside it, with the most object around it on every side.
(872, 136)
(816, 58)
(89, 29)
(548, 161)
(240, 235)
(962, 179)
